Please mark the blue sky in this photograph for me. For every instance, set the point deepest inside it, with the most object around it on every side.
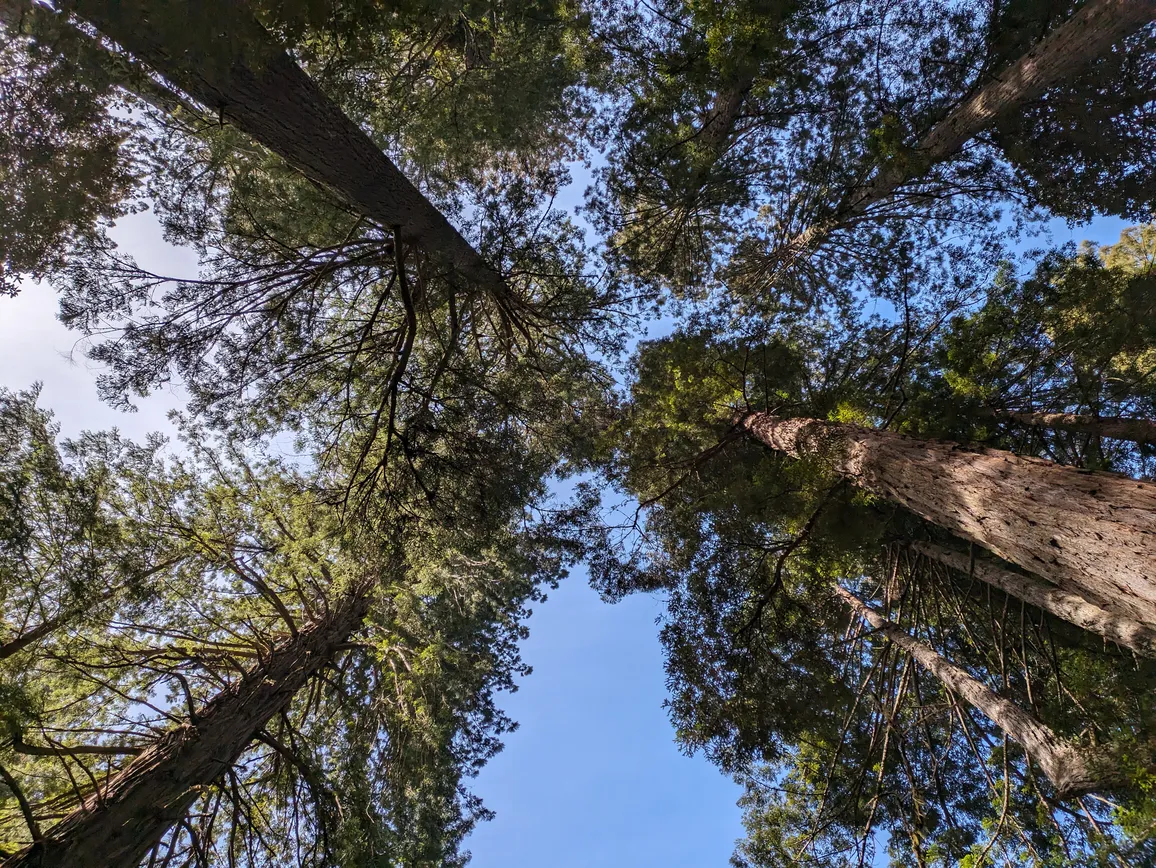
(593, 776)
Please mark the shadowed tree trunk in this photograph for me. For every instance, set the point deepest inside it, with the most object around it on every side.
(1072, 771)
(117, 826)
(1089, 532)
(1115, 427)
(718, 125)
(34, 634)
(1055, 601)
(259, 89)
(1060, 55)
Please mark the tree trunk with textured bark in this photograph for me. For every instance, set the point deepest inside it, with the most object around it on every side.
(1064, 605)
(1071, 770)
(1114, 427)
(1087, 532)
(1070, 47)
(266, 95)
(132, 812)
(719, 124)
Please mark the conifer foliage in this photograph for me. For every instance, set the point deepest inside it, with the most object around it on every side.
(890, 464)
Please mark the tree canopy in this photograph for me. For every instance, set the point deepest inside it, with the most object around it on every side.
(888, 461)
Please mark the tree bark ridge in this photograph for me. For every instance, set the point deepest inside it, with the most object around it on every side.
(1087, 532)
(719, 123)
(1071, 770)
(1055, 601)
(117, 826)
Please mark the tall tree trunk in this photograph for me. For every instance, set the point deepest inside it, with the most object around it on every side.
(1091, 532)
(265, 94)
(1055, 601)
(719, 123)
(1072, 771)
(117, 826)
(124, 72)
(1115, 427)
(1070, 47)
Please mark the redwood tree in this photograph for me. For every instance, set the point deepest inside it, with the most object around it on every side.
(1066, 606)
(1071, 770)
(1084, 531)
(226, 61)
(1115, 427)
(1092, 31)
(841, 745)
(257, 650)
(127, 817)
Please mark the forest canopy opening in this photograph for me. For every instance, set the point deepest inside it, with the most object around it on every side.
(889, 464)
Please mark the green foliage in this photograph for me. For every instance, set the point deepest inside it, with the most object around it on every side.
(748, 123)
(845, 748)
(431, 414)
(1087, 147)
(1073, 337)
(1134, 253)
(65, 550)
(63, 171)
(174, 574)
(459, 90)
(678, 171)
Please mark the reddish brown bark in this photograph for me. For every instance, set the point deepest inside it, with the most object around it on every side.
(1062, 604)
(132, 812)
(1087, 532)
(1072, 771)
(1071, 46)
(265, 94)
